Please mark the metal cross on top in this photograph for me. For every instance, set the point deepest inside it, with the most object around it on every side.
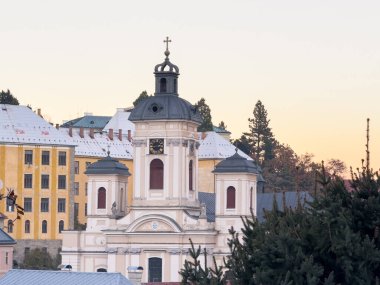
(167, 41)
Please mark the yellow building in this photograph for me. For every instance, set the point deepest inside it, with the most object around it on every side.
(37, 162)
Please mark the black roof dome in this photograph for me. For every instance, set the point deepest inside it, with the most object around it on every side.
(165, 104)
(107, 165)
(237, 163)
(165, 108)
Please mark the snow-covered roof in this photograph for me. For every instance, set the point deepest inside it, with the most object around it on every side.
(99, 144)
(120, 121)
(214, 146)
(20, 125)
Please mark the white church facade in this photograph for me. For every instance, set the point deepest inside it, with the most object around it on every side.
(167, 208)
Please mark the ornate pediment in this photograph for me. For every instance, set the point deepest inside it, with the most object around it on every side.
(154, 223)
(154, 226)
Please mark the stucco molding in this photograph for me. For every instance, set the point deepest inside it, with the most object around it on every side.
(172, 225)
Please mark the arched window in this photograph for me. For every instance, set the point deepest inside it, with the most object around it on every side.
(44, 226)
(102, 198)
(191, 175)
(231, 194)
(10, 226)
(27, 227)
(155, 269)
(101, 270)
(163, 85)
(156, 174)
(61, 226)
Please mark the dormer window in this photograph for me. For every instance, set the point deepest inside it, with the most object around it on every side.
(163, 85)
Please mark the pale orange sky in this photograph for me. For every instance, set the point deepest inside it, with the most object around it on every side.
(315, 65)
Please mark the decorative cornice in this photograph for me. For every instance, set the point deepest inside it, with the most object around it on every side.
(111, 250)
(133, 250)
(174, 142)
(139, 142)
(174, 251)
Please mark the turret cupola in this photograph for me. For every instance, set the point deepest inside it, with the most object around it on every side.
(166, 75)
(165, 104)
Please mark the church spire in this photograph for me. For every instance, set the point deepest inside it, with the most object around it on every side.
(166, 75)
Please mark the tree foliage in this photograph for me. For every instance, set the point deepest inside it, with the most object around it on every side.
(283, 169)
(6, 97)
(205, 113)
(39, 259)
(243, 144)
(222, 125)
(143, 96)
(194, 273)
(260, 135)
(335, 239)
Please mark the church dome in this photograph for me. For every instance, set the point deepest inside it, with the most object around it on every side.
(237, 163)
(107, 165)
(165, 104)
(165, 107)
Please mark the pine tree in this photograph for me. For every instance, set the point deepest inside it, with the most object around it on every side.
(222, 125)
(194, 273)
(6, 97)
(205, 113)
(260, 134)
(143, 95)
(243, 144)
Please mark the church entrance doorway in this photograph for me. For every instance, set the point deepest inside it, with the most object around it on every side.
(155, 270)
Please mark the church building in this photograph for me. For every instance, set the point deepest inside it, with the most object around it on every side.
(168, 207)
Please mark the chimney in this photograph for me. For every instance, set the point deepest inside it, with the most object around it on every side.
(204, 135)
(92, 133)
(110, 134)
(57, 126)
(129, 135)
(120, 134)
(39, 112)
(70, 131)
(81, 133)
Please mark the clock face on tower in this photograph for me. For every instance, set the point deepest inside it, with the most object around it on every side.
(156, 146)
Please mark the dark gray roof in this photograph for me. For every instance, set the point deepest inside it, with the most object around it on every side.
(265, 201)
(165, 107)
(237, 163)
(45, 277)
(161, 68)
(88, 121)
(107, 165)
(209, 200)
(5, 238)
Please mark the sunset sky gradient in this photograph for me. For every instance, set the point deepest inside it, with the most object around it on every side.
(315, 65)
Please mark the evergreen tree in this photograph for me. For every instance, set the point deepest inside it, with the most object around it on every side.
(143, 95)
(222, 125)
(260, 134)
(205, 112)
(194, 273)
(6, 97)
(39, 259)
(243, 144)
